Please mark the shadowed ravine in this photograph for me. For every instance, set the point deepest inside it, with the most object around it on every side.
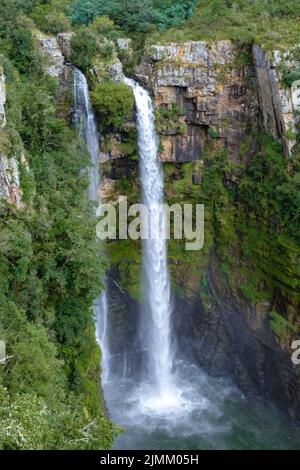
(173, 404)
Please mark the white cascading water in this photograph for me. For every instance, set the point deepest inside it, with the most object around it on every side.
(156, 323)
(101, 314)
(86, 123)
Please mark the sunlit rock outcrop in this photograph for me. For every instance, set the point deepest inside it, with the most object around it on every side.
(213, 91)
(54, 59)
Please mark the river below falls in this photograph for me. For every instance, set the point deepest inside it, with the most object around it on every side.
(209, 414)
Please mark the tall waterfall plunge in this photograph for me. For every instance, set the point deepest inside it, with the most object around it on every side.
(85, 122)
(156, 318)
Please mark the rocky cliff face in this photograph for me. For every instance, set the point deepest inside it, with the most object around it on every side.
(279, 103)
(229, 336)
(9, 171)
(221, 91)
(216, 94)
(54, 59)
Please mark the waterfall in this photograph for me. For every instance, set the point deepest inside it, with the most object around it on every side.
(101, 314)
(156, 318)
(85, 122)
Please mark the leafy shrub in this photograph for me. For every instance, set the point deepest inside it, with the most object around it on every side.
(28, 422)
(167, 119)
(280, 325)
(103, 25)
(212, 133)
(290, 75)
(84, 47)
(114, 103)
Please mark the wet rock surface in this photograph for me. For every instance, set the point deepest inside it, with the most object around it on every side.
(124, 343)
(230, 337)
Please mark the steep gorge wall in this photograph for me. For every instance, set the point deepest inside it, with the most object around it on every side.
(222, 87)
(215, 91)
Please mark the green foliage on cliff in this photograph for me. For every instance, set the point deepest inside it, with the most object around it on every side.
(88, 44)
(252, 225)
(269, 219)
(289, 76)
(114, 102)
(280, 325)
(50, 267)
(274, 24)
(167, 120)
(259, 219)
(51, 16)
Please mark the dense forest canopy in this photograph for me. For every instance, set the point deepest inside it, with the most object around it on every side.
(274, 23)
(51, 265)
(134, 15)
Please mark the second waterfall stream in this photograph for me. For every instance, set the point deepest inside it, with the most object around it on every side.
(86, 124)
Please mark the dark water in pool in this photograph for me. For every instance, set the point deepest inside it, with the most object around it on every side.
(203, 413)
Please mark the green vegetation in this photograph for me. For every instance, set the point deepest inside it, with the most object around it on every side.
(86, 46)
(114, 102)
(269, 219)
(253, 226)
(167, 120)
(51, 265)
(212, 133)
(134, 15)
(104, 26)
(28, 422)
(274, 24)
(51, 16)
(281, 327)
